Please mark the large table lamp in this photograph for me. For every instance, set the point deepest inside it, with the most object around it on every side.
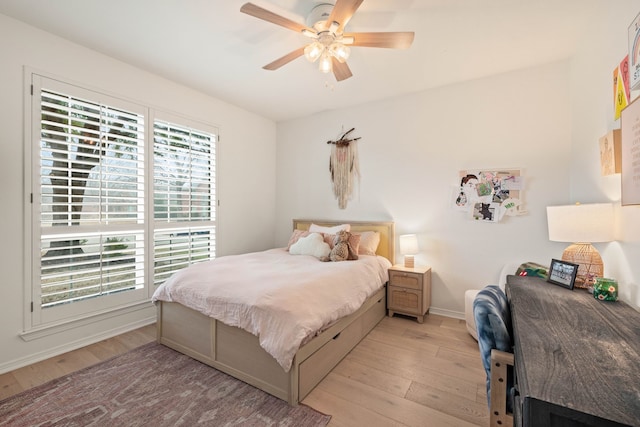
(582, 225)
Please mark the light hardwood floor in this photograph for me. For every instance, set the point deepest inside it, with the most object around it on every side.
(402, 374)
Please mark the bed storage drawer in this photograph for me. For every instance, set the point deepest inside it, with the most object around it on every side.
(318, 364)
(315, 367)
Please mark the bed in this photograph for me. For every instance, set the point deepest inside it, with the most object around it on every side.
(239, 353)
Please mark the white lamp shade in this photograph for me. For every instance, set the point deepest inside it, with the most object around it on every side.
(581, 223)
(409, 244)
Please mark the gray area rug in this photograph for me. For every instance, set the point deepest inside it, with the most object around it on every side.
(152, 386)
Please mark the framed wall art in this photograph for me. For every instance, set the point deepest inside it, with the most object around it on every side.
(630, 128)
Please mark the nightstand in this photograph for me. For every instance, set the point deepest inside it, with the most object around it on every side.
(409, 291)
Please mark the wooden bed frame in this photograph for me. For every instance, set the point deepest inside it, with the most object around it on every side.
(238, 353)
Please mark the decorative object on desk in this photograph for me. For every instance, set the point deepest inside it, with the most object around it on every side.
(630, 173)
(489, 195)
(344, 167)
(563, 273)
(610, 153)
(605, 289)
(533, 269)
(408, 248)
(582, 225)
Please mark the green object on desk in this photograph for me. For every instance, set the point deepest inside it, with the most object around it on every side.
(533, 269)
(605, 289)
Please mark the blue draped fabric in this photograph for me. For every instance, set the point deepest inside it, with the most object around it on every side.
(493, 325)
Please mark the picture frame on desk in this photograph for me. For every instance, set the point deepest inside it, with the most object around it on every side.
(562, 273)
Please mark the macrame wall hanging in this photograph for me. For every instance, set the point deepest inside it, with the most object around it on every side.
(344, 167)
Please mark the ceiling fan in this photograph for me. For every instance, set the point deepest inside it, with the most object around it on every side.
(328, 42)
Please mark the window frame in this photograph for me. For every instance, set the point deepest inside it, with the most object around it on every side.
(37, 320)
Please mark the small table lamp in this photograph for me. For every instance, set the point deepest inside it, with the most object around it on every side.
(408, 248)
(582, 225)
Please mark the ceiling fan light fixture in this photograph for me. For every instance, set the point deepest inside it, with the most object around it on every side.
(325, 62)
(340, 51)
(325, 28)
(313, 51)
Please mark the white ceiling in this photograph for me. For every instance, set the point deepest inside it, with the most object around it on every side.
(209, 45)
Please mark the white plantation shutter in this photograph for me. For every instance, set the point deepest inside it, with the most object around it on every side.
(91, 201)
(177, 248)
(96, 218)
(109, 262)
(84, 142)
(184, 196)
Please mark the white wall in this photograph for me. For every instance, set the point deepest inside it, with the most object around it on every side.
(546, 120)
(411, 150)
(246, 171)
(600, 52)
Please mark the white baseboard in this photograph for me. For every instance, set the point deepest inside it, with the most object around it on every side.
(447, 313)
(74, 345)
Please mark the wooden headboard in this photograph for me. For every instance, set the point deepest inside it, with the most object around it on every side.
(387, 246)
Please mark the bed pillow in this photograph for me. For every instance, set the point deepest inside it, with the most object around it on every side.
(313, 245)
(315, 228)
(369, 241)
(296, 235)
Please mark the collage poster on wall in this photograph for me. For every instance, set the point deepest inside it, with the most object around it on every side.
(634, 53)
(489, 195)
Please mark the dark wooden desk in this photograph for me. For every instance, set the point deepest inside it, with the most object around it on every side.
(577, 359)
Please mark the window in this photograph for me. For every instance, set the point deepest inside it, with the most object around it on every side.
(117, 205)
(184, 166)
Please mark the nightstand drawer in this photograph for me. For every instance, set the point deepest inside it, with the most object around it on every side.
(405, 300)
(405, 280)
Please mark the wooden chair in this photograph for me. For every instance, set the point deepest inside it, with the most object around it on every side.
(493, 323)
(498, 415)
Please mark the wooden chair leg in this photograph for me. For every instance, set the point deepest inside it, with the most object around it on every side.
(498, 416)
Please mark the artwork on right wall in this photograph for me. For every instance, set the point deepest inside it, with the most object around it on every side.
(630, 128)
(634, 53)
(611, 153)
(489, 195)
(621, 91)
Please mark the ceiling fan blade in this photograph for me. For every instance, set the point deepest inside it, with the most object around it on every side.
(340, 70)
(393, 40)
(285, 59)
(342, 12)
(274, 18)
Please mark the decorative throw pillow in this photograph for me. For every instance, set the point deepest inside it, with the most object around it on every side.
(533, 269)
(296, 235)
(313, 245)
(315, 228)
(369, 241)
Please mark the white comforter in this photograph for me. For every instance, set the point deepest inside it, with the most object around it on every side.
(280, 298)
